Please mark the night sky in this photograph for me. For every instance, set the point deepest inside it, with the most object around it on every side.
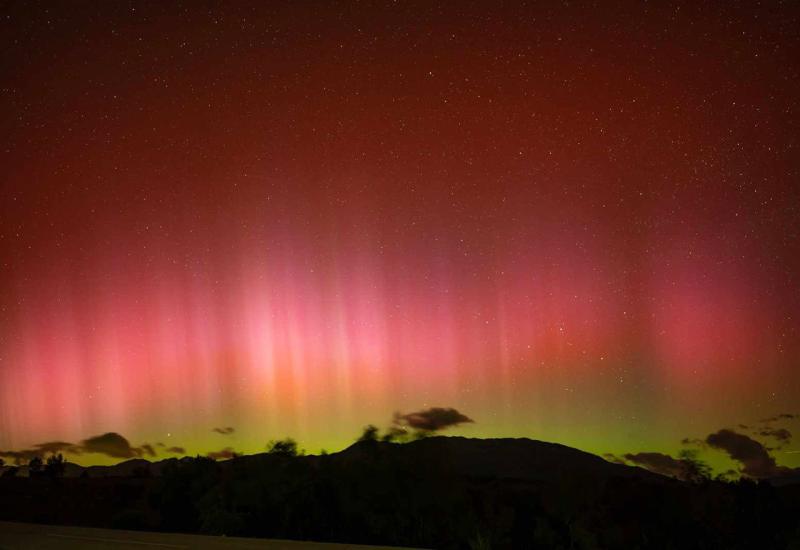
(576, 223)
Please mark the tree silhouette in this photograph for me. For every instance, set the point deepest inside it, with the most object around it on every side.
(2, 462)
(35, 466)
(284, 447)
(696, 471)
(370, 433)
(55, 466)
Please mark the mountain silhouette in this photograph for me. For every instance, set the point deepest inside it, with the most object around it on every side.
(520, 458)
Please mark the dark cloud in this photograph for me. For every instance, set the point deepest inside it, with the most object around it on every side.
(433, 419)
(660, 463)
(753, 456)
(225, 453)
(51, 447)
(111, 444)
(54, 447)
(396, 432)
(781, 434)
(20, 457)
(176, 450)
(224, 431)
(614, 458)
(778, 417)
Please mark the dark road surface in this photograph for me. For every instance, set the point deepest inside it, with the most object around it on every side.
(26, 536)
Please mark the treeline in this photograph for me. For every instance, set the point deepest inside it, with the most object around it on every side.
(53, 467)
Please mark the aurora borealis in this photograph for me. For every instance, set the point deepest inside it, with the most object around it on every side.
(573, 223)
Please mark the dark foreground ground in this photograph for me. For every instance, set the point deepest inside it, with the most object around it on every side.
(27, 536)
(444, 493)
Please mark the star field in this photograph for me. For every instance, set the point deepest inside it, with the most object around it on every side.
(575, 223)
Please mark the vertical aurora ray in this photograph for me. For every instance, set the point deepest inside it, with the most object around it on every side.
(559, 234)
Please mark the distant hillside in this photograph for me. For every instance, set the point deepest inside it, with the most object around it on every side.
(127, 468)
(523, 459)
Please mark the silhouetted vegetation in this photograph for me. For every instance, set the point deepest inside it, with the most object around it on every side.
(284, 447)
(697, 471)
(35, 466)
(55, 465)
(370, 433)
(437, 492)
